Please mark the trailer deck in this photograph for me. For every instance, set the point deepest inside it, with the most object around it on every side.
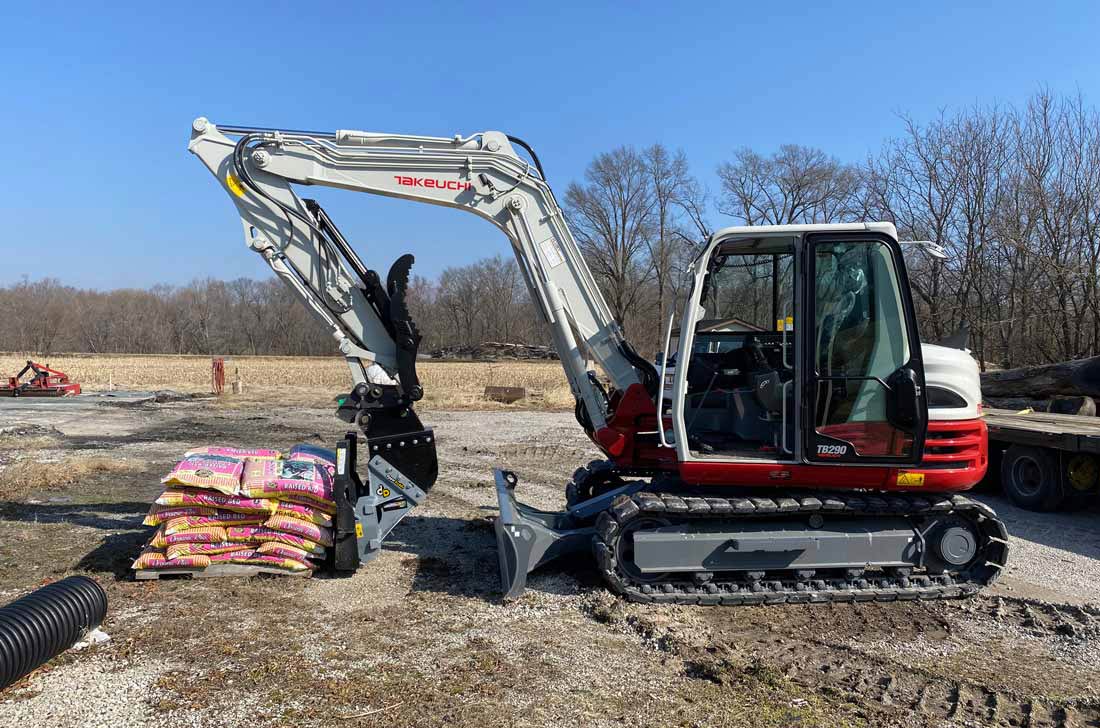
(1045, 460)
(1071, 433)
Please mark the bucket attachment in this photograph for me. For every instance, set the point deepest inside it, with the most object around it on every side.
(527, 538)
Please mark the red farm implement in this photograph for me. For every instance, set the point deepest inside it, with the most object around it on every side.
(45, 382)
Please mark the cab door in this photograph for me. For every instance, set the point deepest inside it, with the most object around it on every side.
(863, 397)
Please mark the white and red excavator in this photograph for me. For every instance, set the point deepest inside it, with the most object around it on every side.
(808, 448)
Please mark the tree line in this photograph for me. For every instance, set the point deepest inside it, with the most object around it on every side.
(1011, 193)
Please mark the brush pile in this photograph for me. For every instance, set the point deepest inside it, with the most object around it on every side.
(254, 507)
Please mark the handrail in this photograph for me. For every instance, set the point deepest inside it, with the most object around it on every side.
(661, 386)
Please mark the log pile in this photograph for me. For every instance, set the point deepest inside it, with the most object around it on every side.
(1064, 387)
(495, 351)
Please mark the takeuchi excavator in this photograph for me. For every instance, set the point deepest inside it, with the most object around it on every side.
(805, 447)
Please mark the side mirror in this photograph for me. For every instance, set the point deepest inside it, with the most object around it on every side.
(903, 401)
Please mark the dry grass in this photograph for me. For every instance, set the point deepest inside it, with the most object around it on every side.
(24, 477)
(28, 442)
(446, 384)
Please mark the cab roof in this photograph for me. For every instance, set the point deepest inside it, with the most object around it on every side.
(779, 230)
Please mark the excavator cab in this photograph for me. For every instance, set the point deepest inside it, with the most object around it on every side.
(801, 347)
(796, 358)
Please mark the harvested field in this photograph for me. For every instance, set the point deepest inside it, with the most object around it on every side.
(446, 384)
(420, 638)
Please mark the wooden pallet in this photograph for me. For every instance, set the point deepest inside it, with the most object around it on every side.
(216, 571)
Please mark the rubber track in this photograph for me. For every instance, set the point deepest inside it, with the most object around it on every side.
(783, 587)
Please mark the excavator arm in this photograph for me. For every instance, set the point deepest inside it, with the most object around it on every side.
(482, 174)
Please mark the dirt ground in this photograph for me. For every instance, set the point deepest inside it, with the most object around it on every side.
(420, 637)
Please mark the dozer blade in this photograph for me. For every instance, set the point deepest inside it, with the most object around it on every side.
(527, 538)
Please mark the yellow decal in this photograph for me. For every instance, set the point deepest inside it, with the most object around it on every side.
(916, 479)
(359, 530)
(234, 184)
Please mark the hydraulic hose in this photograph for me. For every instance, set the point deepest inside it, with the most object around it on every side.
(36, 628)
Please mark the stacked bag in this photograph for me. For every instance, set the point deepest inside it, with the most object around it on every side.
(227, 505)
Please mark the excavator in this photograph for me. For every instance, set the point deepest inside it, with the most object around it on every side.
(807, 447)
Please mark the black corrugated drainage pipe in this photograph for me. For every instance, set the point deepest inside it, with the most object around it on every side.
(36, 628)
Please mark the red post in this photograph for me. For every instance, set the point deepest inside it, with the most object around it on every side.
(217, 375)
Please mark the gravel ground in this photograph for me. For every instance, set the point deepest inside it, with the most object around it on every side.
(1054, 556)
(419, 637)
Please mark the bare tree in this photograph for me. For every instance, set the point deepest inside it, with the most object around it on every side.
(612, 217)
(795, 185)
(678, 203)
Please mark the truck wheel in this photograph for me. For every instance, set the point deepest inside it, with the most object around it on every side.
(1082, 474)
(1030, 478)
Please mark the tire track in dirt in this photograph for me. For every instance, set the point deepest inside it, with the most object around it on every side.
(835, 657)
(561, 455)
(891, 660)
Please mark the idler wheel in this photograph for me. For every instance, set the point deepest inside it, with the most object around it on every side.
(957, 545)
(953, 545)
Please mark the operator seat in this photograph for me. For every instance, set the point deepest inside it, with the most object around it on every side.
(768, 390)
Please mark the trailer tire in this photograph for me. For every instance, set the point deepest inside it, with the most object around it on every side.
(1030, 478)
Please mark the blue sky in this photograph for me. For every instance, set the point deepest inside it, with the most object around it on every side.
(100, 191)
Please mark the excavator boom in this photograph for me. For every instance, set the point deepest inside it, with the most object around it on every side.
(481, 174)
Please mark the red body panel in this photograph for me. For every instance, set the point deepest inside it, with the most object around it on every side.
(623, 439)
(956, 456)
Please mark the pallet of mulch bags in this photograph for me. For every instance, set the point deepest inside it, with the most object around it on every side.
(215, 571)
(241, 512)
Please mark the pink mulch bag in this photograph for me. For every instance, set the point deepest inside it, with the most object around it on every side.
(212, 499)
(276, 562)
(157, 560)
(243, 534)
(233, 556)
(210, 534)
(251, 534)
(274, 548)
(157, 541)
(217, 518)
(322, 456)
(299, 481)
(234, 452)
(255, 558)
(216, 472)
(305, 529)
(150, 558)
(160, 514)
(303, 513)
